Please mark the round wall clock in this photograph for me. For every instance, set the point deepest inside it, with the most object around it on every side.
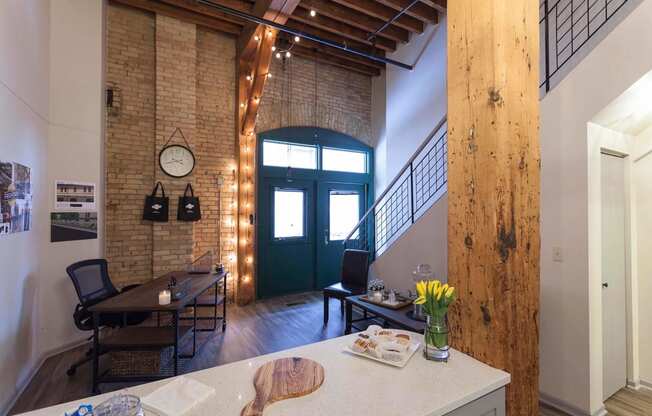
(176, 160)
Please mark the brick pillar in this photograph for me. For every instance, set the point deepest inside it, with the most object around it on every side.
(176, 99)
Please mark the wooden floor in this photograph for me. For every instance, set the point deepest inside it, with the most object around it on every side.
(261, 328)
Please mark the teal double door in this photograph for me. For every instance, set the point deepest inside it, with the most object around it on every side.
(302, 224)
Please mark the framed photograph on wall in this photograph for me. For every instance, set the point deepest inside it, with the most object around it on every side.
(73, 226)
(74, 196)
(15, 198)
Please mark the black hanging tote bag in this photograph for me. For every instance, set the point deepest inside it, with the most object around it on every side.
(156, 207)
(188, 206)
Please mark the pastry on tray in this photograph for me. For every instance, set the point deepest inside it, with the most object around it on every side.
(385, 344)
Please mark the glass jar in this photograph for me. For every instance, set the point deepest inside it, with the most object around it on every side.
(436, 337)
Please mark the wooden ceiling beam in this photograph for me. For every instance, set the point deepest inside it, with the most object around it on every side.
(378, 50)
(419, 11)
(372, 8)
(318, 47)
(341, 29)
(439, 5)
(344, 14)
(335, 60)
(352, 18)
(221, 24)
(322, 21)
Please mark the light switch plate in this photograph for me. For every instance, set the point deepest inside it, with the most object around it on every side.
(557, 255)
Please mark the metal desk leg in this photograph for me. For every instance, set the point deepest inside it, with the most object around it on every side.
(194, 327)
(176, 342)
(349, 317)
(96, 353)
(224, 307)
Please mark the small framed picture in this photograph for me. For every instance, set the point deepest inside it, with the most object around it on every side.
(74, 196)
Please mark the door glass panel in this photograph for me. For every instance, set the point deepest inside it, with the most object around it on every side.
(289, 155)
(344, 214)
(344, 160)
(289, 213)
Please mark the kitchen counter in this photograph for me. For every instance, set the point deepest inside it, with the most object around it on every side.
(353, 386)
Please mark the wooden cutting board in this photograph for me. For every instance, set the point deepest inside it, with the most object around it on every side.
(282, 379)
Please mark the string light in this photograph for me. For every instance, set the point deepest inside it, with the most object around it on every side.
(288, 54)
(256, 38)
(278, 55)
(248, 77)
(297, 39)
(273, 48)
(269, 75)
(250, 259)
(313, 13)
(242, 105)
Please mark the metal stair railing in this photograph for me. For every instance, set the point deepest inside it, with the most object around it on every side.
(419, 184)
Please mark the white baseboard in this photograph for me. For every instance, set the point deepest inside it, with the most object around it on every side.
(643, 384)
(569, 409)
(32, 372)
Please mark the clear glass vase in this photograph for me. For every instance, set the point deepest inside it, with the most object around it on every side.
(436, 338)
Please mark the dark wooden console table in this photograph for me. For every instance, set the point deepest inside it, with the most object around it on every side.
(396, 317)
(144, 298)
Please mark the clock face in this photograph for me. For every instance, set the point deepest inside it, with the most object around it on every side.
(177, 161)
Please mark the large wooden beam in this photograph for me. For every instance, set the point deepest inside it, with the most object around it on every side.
(384, 13)
(493, 188)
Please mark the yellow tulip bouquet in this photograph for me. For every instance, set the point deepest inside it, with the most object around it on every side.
(435, 298)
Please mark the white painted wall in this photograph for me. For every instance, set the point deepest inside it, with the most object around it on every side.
(24, 113)
(570, 324)
(51, 120)
(415, 101)
(407, 106)
(642, 203)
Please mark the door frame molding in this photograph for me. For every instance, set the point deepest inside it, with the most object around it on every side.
(306, 135)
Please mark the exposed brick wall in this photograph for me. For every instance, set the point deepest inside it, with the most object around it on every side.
(167, 74)
(343, 98)
(176, 68)
(156, 65)
(129, 145)
(215, 144)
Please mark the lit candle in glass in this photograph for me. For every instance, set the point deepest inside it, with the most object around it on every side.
(164, 297)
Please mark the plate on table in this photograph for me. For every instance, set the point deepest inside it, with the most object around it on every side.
(411, 349)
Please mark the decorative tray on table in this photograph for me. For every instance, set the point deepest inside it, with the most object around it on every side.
(388, 346)
(401, 301)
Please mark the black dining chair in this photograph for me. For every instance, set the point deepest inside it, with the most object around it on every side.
(93, 285)
(355, 271)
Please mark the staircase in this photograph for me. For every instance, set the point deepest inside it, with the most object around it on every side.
(419, 184)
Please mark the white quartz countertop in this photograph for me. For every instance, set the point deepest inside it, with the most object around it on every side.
(353, 385)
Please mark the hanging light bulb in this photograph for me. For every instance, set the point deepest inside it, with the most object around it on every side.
(248, 77)
(313, 13)
(269, 75)
(278, 55)
(288, 54)
(273, 48)
(256, 38)
(242, 105)
(297, 39)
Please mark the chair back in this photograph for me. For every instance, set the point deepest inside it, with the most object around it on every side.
(355, 268)
(91, 281)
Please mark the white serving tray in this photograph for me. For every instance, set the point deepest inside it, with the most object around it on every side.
(414, 346)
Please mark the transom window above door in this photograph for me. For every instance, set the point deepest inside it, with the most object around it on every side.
(303, 156)
(341, 160)
(289, 155)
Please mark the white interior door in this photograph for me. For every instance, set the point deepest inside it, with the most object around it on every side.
(614, 295)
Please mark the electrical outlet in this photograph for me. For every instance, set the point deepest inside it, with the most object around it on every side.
(557, 255)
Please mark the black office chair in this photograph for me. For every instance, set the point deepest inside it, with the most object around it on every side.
(355, 271)
(93, 285)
